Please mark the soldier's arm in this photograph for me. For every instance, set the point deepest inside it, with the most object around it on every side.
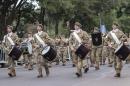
(16, 39)
(85, 38)
(49, 40)
(71, 41)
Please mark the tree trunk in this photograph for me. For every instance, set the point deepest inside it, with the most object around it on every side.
(42, 15)
(56, 27)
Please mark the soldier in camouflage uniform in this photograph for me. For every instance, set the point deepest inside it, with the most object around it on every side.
(63, 50)
(113, 45)
(104, 50)
(96, 52)
(40, 61)
(8, 46)
(28, 58)
(74, 44)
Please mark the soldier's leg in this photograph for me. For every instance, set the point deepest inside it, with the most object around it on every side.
(118, 66)
(98, 52)
(79, 67)
(100, 55)
(46, 67)
(110, 57)
(30, 63)
(58, 57)
(74, 59)
(25, 56)
(11, 68)
(39, 65)
(85, 65)
(64, 57)
(93, 56)
(104, 54)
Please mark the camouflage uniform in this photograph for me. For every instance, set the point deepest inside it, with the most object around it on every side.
(96, 53)
(63, 50)
(40, 61)
(104, 50)
(8, 48)
(73, 43)
(28, 58)
(111, 43)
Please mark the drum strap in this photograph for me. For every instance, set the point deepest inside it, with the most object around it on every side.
(10, 40)
(40, 39)
(115, 38)
(77, 37)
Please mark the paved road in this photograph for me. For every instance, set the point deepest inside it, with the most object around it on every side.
(65, 76)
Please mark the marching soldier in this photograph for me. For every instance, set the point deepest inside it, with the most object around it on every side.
(96, 52)
(28, 57)
(8, 44)
(63, 50)
(40, 61)
(104, 50)
(112, 43)
(57, 40)
(74, 44)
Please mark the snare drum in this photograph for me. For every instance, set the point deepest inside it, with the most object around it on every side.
(26, 48)
(82, 51)
(122, 51)
(49, 53)
(15, 53)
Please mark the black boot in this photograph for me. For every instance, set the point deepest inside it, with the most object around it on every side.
(79, 74)
(117, 75)
(47, 71)
(86, 70)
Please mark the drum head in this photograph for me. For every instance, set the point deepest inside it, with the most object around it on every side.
(29, 48)
(122, 52)
(45, 50)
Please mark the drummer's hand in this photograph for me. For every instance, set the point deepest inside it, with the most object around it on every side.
(73, 50)
(125, 43)
(110, 45)
(36, 46)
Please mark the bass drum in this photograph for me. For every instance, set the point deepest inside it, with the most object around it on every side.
(82, 51)
(49, 53)
(122, 52)
(15, 53)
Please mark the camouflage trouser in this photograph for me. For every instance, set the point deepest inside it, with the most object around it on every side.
(111, 55)
(96, 55)
(104, 54)
(28, 60)
(63, 55)
(80, 63)
(41, 62)
(57, 60)
(73, 56)
(11, 62)
(117, 64)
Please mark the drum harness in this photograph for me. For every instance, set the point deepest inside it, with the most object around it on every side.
(41, 41)
(115, 38)
(77, 37)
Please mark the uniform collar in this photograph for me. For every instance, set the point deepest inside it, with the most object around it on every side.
(40, 32)
(115, 30)
(78, 31)
(10, 34)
